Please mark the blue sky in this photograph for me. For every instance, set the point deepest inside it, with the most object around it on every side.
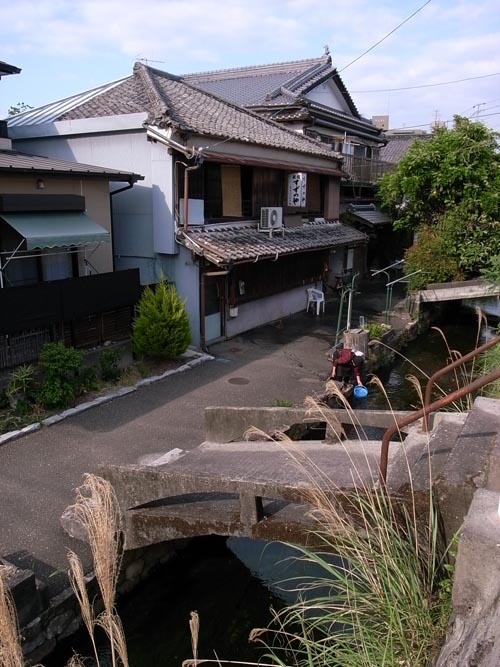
(68, 46)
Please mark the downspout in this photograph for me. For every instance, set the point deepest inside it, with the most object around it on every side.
(186, 191)
(115, 192)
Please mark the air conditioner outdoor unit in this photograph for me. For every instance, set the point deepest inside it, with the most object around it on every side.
(271, 217)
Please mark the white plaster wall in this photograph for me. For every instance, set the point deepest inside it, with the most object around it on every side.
(269, 309)
(328, 94)
(142, 216)
(185, 277)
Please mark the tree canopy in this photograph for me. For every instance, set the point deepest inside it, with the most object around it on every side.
(20, 107)
(447, 191)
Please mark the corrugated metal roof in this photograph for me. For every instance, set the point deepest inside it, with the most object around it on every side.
(53, 111)
(242, 242)
(17, 162)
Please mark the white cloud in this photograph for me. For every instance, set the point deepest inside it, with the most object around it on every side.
(65, 46)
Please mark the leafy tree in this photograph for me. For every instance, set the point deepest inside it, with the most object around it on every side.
(447, 189)
(161, 328)
(20, 107)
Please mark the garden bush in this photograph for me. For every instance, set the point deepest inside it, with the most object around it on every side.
(161, 328)
(108, 364)
(375, 330)
(63, 375)
(20, 384)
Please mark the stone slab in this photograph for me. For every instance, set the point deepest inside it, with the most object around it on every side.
(286, 471)
(226, 424)
(468, 465)
(473, 637)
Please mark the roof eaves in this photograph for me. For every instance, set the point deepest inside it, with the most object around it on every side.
(17, 162)
(227, 245)
(6, 69)
(308, 80)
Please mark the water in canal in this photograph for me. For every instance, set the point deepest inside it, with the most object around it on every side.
(425, 355)
(234, 583)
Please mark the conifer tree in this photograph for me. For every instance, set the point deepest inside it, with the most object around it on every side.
(161, 327)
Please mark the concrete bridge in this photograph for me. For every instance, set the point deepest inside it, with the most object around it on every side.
(467, 289)
(266, 489)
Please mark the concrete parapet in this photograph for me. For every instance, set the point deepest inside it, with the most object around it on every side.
(474, 633)
(228, 424)
(467, 467)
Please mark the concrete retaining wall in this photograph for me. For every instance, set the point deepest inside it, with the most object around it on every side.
(45, 621)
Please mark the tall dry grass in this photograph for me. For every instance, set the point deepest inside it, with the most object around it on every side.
(382, 597)
(96, 507)
(379, 596)
(10, 642)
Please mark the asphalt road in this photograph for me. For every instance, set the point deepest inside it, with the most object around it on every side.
(38, 472)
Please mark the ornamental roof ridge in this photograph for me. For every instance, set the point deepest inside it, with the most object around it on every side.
(253, 70)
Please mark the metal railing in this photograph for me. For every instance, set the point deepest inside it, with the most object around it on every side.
(447, 369)
(365, 170)
(424, 412)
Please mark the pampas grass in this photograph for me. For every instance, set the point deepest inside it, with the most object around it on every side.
(97, 509)
(10, 644)
(378, 602)
(382, 595)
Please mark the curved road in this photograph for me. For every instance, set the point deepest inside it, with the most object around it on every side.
(39, 471)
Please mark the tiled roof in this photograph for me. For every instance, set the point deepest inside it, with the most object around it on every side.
(368, 213)
(242, 242)
(270, 85)
(16, 162)
(398, 145)
(171, 102)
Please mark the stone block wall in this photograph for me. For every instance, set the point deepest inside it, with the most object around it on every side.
(45, 621)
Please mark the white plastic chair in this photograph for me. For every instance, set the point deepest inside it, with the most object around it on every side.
(315, 296)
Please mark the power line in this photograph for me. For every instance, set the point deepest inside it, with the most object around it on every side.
(386, 36)
(427, 85)
(443, 122)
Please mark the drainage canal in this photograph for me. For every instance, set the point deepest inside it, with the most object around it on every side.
(233, 583)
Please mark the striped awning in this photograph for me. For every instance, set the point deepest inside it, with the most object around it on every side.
(58, 229)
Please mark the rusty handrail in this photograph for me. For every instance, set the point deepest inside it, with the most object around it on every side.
(426, 410)
(446, 369)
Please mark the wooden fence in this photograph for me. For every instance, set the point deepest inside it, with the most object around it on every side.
(83, 312)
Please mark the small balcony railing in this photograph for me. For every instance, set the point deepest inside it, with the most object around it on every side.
(365, 170)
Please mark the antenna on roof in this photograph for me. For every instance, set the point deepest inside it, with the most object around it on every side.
(146, 61)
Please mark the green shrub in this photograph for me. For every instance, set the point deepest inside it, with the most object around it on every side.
(54, 393)
(108, 363)
(63, 375)
(61, 362)
(20, 384)
(282, 403)
(491, 361)
(161, 328)
(375, 330)
(380, 593)
(4, 400)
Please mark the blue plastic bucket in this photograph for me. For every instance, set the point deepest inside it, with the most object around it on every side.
(360, 392)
